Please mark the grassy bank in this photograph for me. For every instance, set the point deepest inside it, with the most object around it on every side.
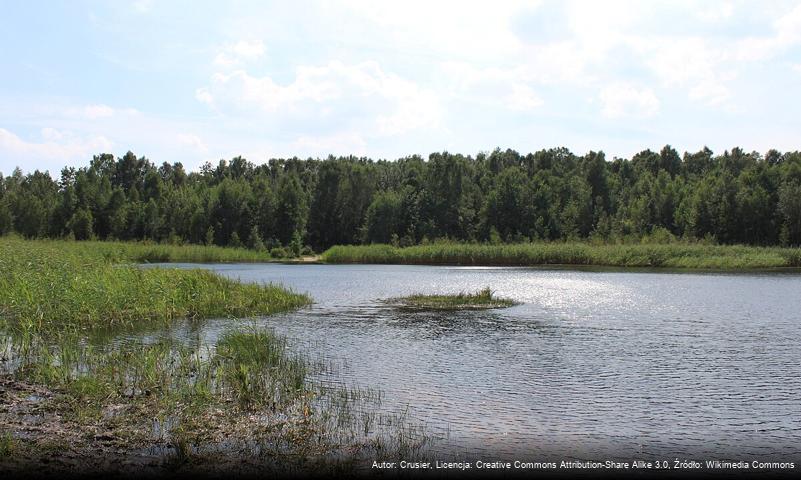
(71, 401)
(483, 299)
(50, 285)
(142, 252)
(529, 254)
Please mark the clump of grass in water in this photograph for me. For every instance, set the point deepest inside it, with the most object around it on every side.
(249, 388)
(483, 299)
(7, 444)
(259, 370)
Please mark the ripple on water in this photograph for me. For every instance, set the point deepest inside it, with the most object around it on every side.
(591, 364)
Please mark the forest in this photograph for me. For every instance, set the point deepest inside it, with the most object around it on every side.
(290, 206)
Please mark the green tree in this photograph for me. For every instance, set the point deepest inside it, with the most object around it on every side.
(6, 220)
(790, 210)
(292, 209)
(254, 239)
(81, 224)
(383, 218)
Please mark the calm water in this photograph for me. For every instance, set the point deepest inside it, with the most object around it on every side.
(591, 364)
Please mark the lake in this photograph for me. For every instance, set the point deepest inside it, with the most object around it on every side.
(591, 364)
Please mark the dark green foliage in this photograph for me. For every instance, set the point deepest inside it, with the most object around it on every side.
(383, 218)
(790, 212)
(495, 197)
(81, 224)
(254, 240)
(6, 221)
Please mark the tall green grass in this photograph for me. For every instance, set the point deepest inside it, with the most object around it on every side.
(529, 254)
(145, 252)
(247, 391)
(52, 285)
(482, 299)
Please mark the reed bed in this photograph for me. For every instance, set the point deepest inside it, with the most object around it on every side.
(75, 393)
(483, 299)
(148, 252)
(697, 256)
(51, 285)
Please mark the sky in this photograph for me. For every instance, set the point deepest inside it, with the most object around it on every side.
(201, 81)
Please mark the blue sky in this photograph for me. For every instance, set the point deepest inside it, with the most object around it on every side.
(199, 81)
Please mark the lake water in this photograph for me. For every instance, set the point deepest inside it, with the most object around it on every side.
(592, 364)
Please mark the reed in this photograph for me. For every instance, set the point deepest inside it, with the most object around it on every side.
(680, 255)
(60, 303)
(51, 286)
(483, 299)
(149, 252)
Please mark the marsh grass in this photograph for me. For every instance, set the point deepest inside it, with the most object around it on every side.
(260, 370)
(480, 300)
(59, 301)
(679, 255)
(248, 387)
(148, 252)
(52, 286)
(7, 444)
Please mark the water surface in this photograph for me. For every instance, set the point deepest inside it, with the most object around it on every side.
(592, 364)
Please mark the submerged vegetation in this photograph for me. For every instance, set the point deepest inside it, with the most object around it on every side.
(77, 397)
(528, 254)
(483, 299)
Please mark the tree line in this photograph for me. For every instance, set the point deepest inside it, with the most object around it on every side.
(501, 196)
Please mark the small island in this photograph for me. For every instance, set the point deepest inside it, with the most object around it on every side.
(481, 300)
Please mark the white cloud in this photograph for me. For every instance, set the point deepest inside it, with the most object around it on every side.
(622, 100)
(690, 63)
(467, 29)
(233, 54)
(87, 112)
(710, 92)
(523, 98)
(786, 34)
(346, 143)
(492, 86)
(51, 134)
(204, 96)
(67, 136)
(391, 103)
(97, 111)
(143, 6)
(192, 141)
(55, 145)
(715, 13)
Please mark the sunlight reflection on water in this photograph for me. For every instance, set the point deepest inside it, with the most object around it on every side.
(591, 362)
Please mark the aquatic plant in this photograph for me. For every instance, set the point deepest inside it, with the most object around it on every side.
(687, 255)
(247, 394)
(51, 286)
(483, 299)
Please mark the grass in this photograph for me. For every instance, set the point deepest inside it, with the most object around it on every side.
(729, 257)
(259, 368)
(52, 286)
(246, 391)
(146, 252)
(6, 444)
(202, 404)
(483, 299)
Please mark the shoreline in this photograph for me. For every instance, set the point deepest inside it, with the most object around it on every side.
(684, 257)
